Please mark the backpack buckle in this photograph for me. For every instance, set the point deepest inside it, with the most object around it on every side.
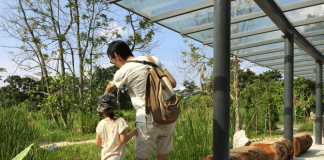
(144, 62)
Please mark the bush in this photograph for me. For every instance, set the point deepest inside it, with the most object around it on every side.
(308, 127)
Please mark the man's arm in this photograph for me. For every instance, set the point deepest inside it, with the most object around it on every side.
(173, 82)
(125, 138)
(110, 87)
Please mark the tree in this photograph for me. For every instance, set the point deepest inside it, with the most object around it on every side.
(2, 70)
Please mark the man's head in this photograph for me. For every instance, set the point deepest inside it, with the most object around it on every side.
(118, 52)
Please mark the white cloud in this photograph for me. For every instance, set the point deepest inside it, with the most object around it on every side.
(180, 88)
(301, 13)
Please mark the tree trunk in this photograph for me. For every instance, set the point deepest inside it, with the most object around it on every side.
(304, 107)
(265, 125)
(80, 56)
(237, 95)
(63, 109)
(270, 121)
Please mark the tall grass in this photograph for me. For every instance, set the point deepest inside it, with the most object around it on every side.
(193, 135)
(17, 133)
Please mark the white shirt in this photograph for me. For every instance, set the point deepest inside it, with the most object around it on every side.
(133, 75)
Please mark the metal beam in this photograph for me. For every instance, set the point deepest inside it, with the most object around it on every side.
(282, 62)
(266, 42)
(221, 78)
(295, 65)
(275, 50)
(275, 57)
(252, 32)
(304, 72)
(277, 16)
(319, 103)
(279, 56)
(284, 8)
(182, 11)
(207, 4)
(263, 52)
(114, 1)
(289, 87)
(301, 68)
(308, 75)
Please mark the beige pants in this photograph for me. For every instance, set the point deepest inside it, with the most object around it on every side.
(150, 134)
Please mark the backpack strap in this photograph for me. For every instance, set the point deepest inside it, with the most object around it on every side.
(143, 62)
(149, 57)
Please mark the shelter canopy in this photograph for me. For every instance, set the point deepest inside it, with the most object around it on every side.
(255, 35)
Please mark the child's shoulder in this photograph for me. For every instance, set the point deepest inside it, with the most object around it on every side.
(121, 119)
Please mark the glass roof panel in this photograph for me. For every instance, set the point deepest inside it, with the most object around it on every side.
(311, 27)
(305, 13)
(316, 38)
(260, 48)
(302, 62)
(282, 59)
(149, 8)
(193, 19)
(256, 38)
(203, 35)
(244, 7)
(265, 55)
(286, 2)
(251, 25)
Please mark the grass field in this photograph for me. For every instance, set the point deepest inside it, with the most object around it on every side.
(192, 137)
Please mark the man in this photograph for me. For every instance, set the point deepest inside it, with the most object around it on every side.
(133, 75)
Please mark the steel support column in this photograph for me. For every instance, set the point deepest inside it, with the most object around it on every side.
(319, 95)
(221, 78)
(288, 87)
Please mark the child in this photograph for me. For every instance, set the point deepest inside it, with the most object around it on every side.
(111, 131)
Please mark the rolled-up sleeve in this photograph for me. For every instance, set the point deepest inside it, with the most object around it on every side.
(120, 79)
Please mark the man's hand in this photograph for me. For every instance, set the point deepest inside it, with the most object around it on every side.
(110, 87)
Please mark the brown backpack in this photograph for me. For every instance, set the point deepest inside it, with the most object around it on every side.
(160, 98)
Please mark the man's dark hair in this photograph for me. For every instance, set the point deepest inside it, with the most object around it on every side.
(120, 48)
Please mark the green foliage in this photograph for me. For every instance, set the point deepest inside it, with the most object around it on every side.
(23, 153)
(190, 90)
(17, 91)
(308, 127)
(17, 133)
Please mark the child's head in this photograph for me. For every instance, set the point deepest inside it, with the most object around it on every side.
(107, 105)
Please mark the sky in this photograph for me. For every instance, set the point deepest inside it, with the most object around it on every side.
(171, 46)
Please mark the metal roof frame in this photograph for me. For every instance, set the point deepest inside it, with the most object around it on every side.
(266, 42)
(249, 33)
(273, 50)
(282, 62)
(277, 16)
(280, 56)
(295, 65)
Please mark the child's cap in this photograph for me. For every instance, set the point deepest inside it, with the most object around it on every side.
(107, 100)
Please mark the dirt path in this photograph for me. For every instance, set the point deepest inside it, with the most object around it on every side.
(60, 144)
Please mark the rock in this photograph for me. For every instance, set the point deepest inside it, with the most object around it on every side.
(52, 147)
(312, 115)
(240, 139)
(276, 149)
(248, 153)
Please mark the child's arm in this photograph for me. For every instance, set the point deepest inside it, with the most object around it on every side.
(98, 141)
(125, 138)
